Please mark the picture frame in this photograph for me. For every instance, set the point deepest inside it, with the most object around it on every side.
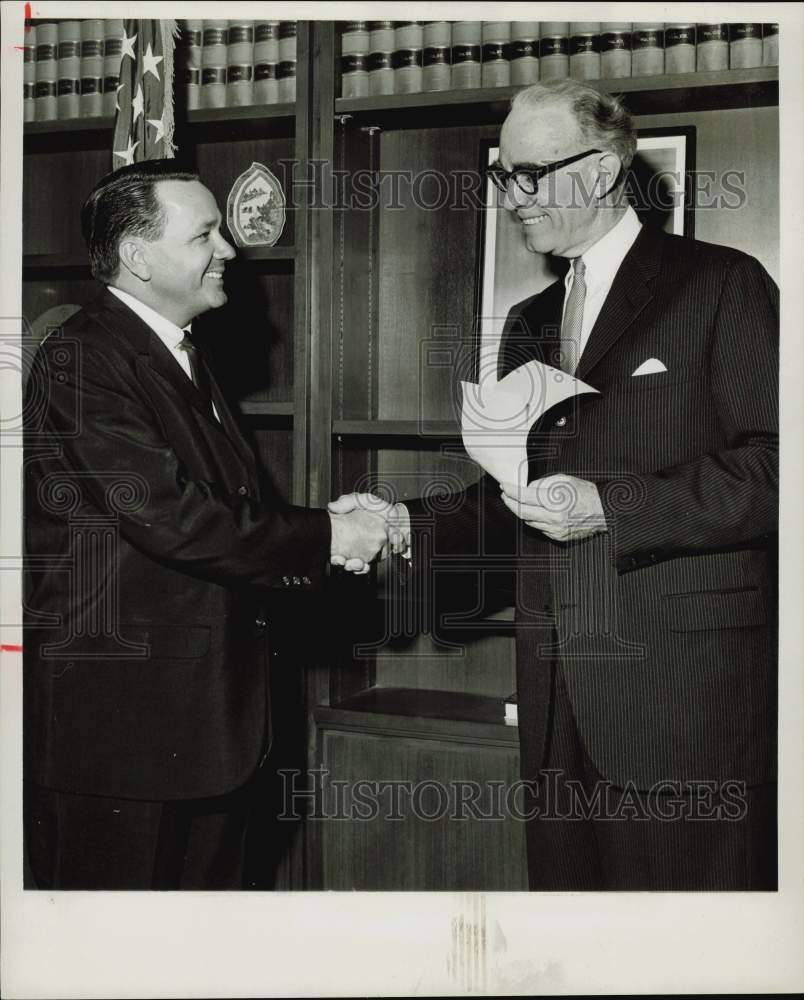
(658, 185)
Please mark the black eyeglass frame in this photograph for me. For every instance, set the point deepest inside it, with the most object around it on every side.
(502, 178)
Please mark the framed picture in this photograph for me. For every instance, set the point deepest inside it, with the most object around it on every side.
(658, 185)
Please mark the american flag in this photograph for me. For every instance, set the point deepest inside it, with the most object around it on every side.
(144, 124)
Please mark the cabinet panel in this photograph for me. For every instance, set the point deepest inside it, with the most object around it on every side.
(427, 267)
(433, 842)
(251, 337)
(55, 186)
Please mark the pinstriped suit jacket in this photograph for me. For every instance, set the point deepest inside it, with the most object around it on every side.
(664, 626)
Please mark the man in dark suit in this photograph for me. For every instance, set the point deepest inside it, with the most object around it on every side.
(645, 542)
(151, 559)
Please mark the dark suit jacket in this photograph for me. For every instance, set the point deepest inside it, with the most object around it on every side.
(149, 558)
(663, 626)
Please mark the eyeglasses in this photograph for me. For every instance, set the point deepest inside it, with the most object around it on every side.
(528, 180)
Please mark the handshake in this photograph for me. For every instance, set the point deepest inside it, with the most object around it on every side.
(366, 528)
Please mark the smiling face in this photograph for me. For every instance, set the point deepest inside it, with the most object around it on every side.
(185, 265)
(565, 216)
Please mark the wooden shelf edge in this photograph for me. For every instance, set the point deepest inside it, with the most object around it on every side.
(103, 123)
(265, 408)
(423, 713)
(54, 261)
(436, 429)
(250, 112)
(267, 253)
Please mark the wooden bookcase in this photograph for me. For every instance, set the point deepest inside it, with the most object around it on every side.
(341, 345)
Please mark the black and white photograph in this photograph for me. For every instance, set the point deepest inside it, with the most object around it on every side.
(401, 559)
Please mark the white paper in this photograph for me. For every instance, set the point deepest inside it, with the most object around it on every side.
(496, 417)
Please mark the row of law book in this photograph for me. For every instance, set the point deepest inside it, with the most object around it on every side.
(403, 57)
(234, 64)
(71, 69)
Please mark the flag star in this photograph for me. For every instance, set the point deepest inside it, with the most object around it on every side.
(137, 104)
(127, 154)
(120, 87)
(150, 61)
(128, 45)
(159, 125)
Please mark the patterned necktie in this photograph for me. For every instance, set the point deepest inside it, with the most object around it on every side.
(573, 318)
(198, 371)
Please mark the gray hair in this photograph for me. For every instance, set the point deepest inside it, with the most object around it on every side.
(602, 120)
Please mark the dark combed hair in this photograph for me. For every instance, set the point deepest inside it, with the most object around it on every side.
(602, 119)
(125, 203)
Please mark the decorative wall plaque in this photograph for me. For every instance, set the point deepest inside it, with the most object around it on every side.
(255, 208)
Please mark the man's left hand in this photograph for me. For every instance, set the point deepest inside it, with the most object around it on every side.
(562, 507)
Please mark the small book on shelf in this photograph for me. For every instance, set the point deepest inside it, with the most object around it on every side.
(511, 714)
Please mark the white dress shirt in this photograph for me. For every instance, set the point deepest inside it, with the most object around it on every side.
(170, 334)
(603, 261)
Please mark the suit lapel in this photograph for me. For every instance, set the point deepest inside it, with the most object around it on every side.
(122, 322)
(534, 333)
(630, 292)
(227, 420)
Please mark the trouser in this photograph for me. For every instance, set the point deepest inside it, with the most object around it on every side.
(92, 842)
(590, 835)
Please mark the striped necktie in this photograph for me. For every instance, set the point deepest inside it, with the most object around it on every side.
(573, 318)
(198, 371)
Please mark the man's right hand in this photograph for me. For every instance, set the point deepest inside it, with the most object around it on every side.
(396, 525)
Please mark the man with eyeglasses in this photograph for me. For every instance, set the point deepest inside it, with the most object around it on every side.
(644, 544)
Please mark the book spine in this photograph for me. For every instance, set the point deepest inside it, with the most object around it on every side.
(112, 60)
(770, 44)
(355, 44)
(584, 50)
(745, 46)
(523, 54)
(437, 68)
(647, 50)
(68, 93)
(29, 74)
(240, 64)
(615, 50)
(46, 73)
(711, 47)
(214, 62)
(266, 60)
(679, 48)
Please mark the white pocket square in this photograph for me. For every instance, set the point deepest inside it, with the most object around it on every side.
(649, 367)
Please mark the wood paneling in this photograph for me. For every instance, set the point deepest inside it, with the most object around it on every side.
(55, 186)
(737, 178)
(429, 227)
(251, 337)
(433, 842)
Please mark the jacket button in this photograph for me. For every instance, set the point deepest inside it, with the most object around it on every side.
(296, 582)
(286, 580)
(561, 422)
(652, 557)
(260, 622)
(242, 490)
(306, 581)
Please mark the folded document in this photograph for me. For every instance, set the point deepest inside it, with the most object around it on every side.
(496, 417)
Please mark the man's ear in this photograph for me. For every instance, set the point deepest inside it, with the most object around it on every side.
(610, 167)
(134, 258)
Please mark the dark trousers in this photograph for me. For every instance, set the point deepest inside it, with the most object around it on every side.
(590, 835)
(91, 842)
